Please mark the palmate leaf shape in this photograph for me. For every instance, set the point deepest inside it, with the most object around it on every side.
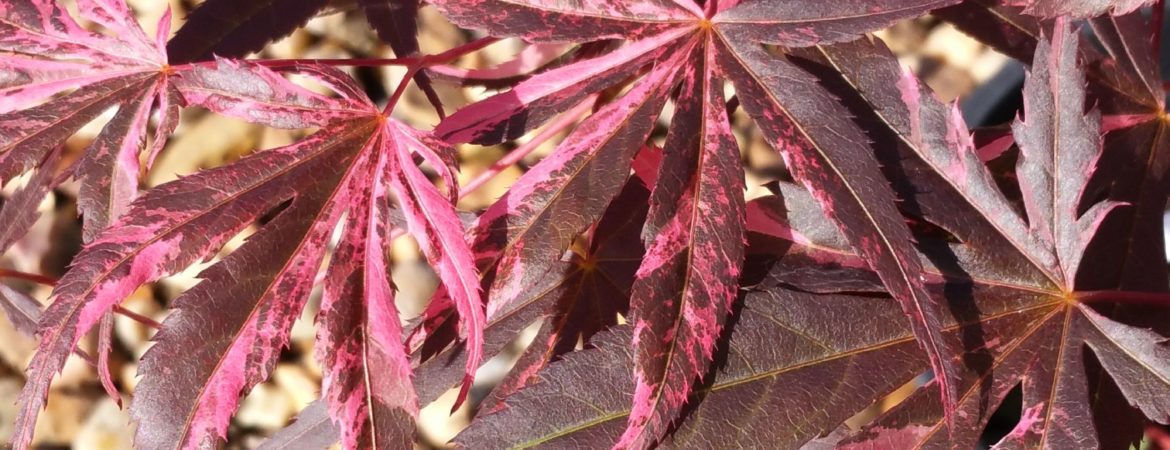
(793, 340)
(45, 52)
(579, 298)
(227, 332)
(687, 281)
(55, 77)
(816, 331)
(1124, 84)
(787, 345)
(1039, 254)
(1009, 279)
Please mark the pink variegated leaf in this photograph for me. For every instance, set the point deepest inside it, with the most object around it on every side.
(44, 51)
(512, 114)
(522, 231)
(367, 372)
(576, 299)
(189, 392)
(431, 218)
(109, 169)
(786, 345)
(174, 226)
(928, 142)
(941, 139)
(832, 158)
(27, 136)
(254, 93)
(690, 275)
(59, 76)
(1071, 349)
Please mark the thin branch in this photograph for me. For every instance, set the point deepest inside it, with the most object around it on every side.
(422, 61)
(50, 281)
(455, 53)
(345, 62)
(119, 309)
(400, 89)
(434, 60)
(35, 278)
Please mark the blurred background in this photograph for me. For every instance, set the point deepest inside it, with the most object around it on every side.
(79, 413)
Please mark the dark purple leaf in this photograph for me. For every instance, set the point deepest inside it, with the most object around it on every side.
(311, 429)
(834, 161)
(234, 28)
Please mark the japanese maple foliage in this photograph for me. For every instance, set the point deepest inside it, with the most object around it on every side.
(908, 244)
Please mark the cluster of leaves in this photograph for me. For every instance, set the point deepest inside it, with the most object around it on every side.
(1029, 257)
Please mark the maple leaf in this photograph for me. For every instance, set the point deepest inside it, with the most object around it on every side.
(45, 52)
(1012, 278)
(1123, 84)
(578, 299)
(346, 169)
(793, 338)
(58, 76)
(687, 282)
(1034, 255)
(1008, 277)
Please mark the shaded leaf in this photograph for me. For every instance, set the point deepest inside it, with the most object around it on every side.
(234, 28)
(834, 162)
(311, 428)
